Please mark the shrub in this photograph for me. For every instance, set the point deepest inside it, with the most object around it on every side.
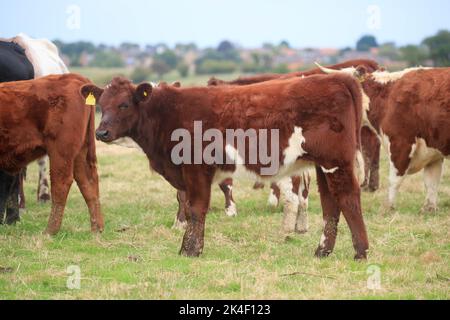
(140, 74)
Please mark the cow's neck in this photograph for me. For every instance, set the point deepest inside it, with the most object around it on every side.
(378, 94)
(153, 118)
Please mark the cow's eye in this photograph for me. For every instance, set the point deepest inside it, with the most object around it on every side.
(123, 106)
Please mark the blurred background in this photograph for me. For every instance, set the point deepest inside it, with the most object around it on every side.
(193, 40)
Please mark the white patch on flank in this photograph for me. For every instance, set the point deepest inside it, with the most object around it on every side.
(384, 77)
(294, 149)
(231, 211)
(333, 170)
(294, 168)
(273, 200)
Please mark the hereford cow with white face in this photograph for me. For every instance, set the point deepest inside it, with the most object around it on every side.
(410, 110)
(314, 121)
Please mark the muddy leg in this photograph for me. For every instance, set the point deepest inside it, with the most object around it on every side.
(199, 194)
(374, 180)
(43, 194)
(12, 204)
(180, 220)
(331, 213)
(432, 179)
(22, 177)
(227, 188)
(86, 176)
(5, 187)
(346, 191)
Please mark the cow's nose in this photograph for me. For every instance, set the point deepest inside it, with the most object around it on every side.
(102, 134)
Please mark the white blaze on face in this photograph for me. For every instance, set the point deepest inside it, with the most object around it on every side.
(294, 149)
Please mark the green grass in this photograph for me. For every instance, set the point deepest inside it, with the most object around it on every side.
(244, 257)
(102, 76)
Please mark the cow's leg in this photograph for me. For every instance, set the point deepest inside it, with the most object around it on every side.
(331, 213)
(290, 208)
(432, 179)
(86, 176)
(198, 187)
(12, 204)
(374, 180)
(227, 188)
(345, 188)
(4, 193)
(43, 194)
(61, 178)
(274, 196)
(395, 181)
(303, 194)
(180, 220)
(22, 177)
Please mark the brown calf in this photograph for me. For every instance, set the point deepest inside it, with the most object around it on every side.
(48, 116)
(317, 119)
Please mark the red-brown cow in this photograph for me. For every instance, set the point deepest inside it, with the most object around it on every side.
(317, 121)
(48, 116)
(296, 204)
(410, 110)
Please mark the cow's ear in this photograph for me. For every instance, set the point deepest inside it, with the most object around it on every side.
(176, 84)
(88, 89)
(143, 92)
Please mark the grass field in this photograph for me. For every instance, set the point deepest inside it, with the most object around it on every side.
(102, 76)
(244, 257)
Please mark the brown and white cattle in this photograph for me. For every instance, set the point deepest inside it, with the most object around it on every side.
(297, 190)
(317, 121)
(48, 116)
(410, 110)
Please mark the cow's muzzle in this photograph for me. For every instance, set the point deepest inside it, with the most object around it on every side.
(102, 135)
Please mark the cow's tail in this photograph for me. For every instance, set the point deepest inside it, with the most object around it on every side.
(356, 92)
(91, 157)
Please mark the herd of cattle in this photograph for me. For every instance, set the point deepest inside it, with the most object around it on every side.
(330, 118)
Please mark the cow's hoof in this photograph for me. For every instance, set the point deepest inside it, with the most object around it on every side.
(322, 253)
(179, 225)
(192, 253)
(97, 229)
(44, 198)
(360, 257)
(428, 208)
(301, 230)
(51, 232)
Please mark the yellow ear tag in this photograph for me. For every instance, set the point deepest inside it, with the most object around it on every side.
(90, 100)
(145, 93)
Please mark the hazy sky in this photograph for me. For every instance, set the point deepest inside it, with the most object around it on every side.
(316, 23)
